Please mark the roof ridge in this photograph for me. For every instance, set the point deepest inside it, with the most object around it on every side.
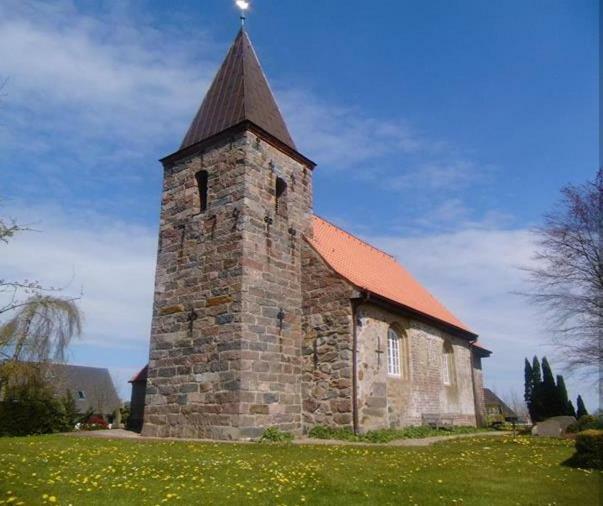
(243, 33)
(355, 237)
(59, 364)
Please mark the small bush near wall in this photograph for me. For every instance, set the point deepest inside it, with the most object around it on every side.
(589, 450)
(387, 435)
(275, 435)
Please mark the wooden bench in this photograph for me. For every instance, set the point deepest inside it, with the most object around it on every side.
(438, 420)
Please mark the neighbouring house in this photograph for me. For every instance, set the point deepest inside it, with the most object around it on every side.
(497, 411)
(268, 315)
(91, 387)
(139, 390)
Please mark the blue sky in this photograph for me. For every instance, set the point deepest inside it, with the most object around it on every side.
(442, 132)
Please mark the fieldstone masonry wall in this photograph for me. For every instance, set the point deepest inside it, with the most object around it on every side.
(389, 401)
(225, 357)
(327, 345)
(252, 329)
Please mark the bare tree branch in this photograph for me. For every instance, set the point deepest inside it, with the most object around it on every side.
(568, 274)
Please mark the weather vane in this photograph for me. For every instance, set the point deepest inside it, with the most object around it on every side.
(243, 5)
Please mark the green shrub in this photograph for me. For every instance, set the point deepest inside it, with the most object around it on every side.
(589, 450)
(275, 435)
(586, 422)
(323, 432)
(387, 435)
(22, 417)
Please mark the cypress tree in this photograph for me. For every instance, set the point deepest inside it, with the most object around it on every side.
(562, 396)
(528, 387)
(550, 397)
(581, 407)
(537, 405)
(570, 409)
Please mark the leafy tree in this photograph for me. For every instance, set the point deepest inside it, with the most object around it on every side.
(568, 277)
(581, 407)
(36, 327)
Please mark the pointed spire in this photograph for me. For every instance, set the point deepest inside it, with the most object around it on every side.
(240, 92)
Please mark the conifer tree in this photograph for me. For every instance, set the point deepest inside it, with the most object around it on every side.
(537, 405)
(528, 387)
(549, 395)
(570, 409)
(562, 396)
(581, 408)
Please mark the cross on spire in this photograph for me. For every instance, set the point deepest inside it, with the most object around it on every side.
(243, 5)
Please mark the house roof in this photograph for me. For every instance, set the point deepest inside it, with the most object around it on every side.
(94, 383)
(491, 398)
(377, 272)
(140, 375)
(239, 93)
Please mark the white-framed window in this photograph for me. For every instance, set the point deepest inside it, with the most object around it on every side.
(81, 395)
(393, 352)
(448, 364)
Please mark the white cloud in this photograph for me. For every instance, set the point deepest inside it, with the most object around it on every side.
(341, 137)
(98, 77)
(110, 263)
(440, 175)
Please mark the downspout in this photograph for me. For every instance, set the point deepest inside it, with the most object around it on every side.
(355, 304)
(354, 368)
(478, 414)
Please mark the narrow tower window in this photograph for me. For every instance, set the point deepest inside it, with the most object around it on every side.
(201, 178)
(280, 192)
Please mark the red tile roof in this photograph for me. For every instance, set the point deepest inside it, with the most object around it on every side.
(372, 270)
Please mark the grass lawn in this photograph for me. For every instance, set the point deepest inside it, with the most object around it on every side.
(482, 471)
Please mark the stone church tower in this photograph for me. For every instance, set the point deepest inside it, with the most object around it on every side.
(226, 339)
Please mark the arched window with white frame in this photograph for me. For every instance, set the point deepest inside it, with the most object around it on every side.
(398, 363)
(397, 353)
(393, 352)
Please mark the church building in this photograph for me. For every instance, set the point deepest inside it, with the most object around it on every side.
(266, 315)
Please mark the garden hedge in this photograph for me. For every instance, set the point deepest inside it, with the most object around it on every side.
(589, 450)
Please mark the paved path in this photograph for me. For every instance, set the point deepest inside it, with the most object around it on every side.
(427, 441)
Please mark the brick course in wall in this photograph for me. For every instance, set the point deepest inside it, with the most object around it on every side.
(390, 401)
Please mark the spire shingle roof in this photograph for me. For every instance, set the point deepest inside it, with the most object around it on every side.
(240, 92)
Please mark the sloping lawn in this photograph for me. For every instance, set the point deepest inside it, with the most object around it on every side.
(480, 471)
